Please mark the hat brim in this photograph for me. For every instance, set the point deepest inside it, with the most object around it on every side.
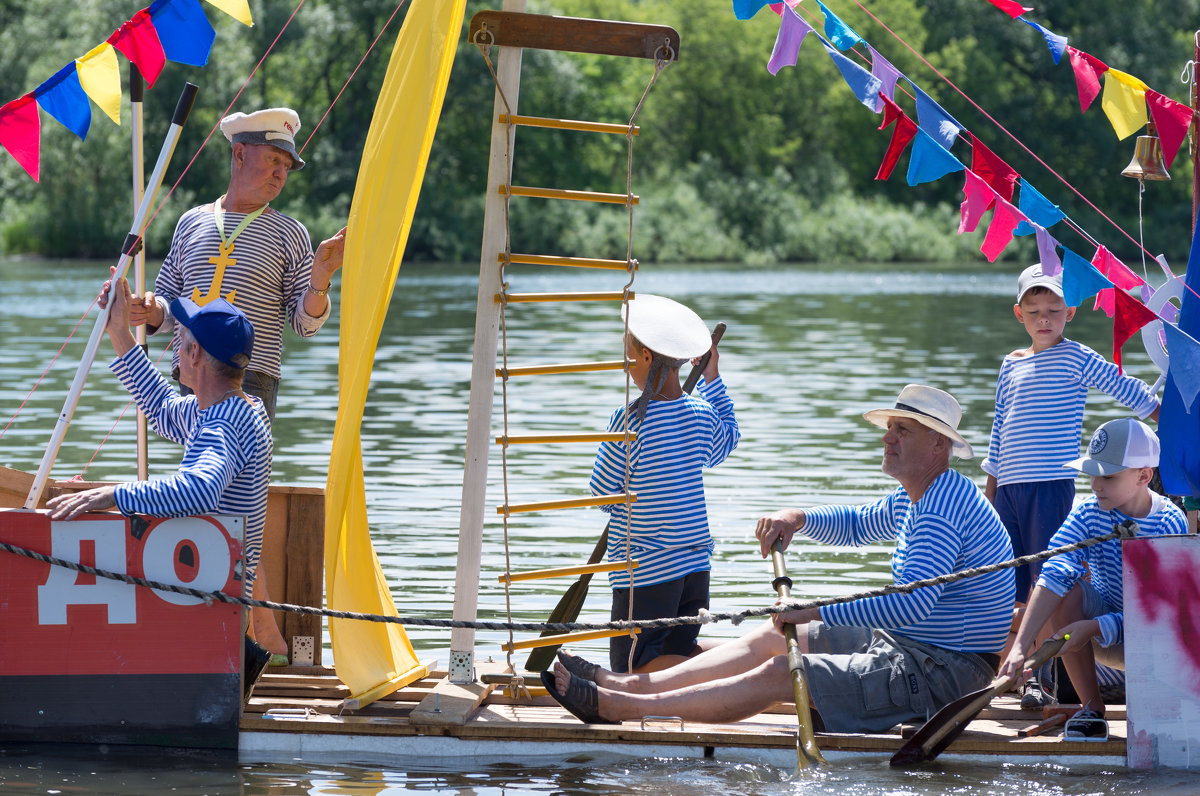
(1096, 467)
(961, 448)
(260, 139)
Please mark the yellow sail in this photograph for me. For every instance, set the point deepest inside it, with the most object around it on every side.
(374, 658)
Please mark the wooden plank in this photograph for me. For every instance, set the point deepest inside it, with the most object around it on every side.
(574, 34)
(450, 703)
(305, 570)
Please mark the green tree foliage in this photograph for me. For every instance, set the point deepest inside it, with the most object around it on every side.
(732, 163)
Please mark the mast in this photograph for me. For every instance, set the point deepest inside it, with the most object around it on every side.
(139, 259)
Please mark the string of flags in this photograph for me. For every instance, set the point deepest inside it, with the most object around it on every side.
(166, 30)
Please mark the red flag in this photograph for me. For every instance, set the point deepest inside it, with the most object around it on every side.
(1171, 119)
(1118, 273)
(138, 41)
(1131, 315)
(905, 131)
(994, 171)
(979, 197)
(1088, 69)
(21, 132)
(1010, 7)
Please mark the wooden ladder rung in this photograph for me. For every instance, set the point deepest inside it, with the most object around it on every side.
(565, 638)
(569, 367)
(579, 436)
(571, 262)
(526, 298)
(570, 503)
(567, 193)
(573, 34)
(568, 124)
(563, 572)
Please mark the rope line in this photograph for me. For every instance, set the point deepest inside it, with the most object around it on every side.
(1126, 530)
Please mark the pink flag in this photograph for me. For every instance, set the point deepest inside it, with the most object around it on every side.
(1000, 231)
(21, 132)
(979, 197)
(1130, 315)
(906, 130)
(1171, 119)
(138, 41)
(1118, 273)
(1088, 69)
(994, 171)
(1010, 7)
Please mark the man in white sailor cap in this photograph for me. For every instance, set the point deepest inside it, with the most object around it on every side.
(241, 249)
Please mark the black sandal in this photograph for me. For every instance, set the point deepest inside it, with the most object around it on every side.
(581, 698)
(583, 669)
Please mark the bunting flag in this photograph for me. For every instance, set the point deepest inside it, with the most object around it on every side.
(1118, 273)
(887, 74)
(837, 31)
(979, 197)
(100, 76)
(1047, 251)
(184, 31)
(138, 41)
(864, 84)
(745, 9)
(1000, 231)
(992, 170)
(1124, 102)
(1130, 315)
(1037, 208)
(1088, 70)
(21, 133)
(1178, 431)
(62, 97)
(1171, 120)
(1185, 363)
(1055, 42)
(904, 132)
(1010, 7)
(933, 119)
(792, 30)
(1080, 279)
(929, 160)
(238, 9)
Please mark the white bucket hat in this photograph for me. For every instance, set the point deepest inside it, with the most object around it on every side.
(666, 327)
(931, 407)
(1118, 445)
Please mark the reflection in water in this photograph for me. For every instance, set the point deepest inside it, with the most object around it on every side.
(808, 350)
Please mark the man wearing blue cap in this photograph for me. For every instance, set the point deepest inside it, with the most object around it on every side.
(226, 434)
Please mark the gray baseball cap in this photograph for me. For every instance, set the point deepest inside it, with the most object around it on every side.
(1033, 276)
(1118, 445)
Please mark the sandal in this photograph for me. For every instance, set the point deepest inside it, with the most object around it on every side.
(1086, 725)
(581, 698)
(583, 669)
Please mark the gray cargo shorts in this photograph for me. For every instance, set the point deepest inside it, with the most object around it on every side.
(865, 680)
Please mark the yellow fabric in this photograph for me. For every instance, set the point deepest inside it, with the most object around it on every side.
(100, 76)
(1125, 102)
(238, 9)
(368, 654)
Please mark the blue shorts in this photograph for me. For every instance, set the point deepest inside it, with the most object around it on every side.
(1032, 512)
(680, 597)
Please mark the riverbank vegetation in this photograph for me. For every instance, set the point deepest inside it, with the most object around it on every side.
(732, 163)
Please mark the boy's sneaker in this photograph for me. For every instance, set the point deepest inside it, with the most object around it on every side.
(1086, 725)
(1034, 696)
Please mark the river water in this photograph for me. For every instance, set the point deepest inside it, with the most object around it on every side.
(809, 348)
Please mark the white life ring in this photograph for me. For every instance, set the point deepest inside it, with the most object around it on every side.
(1153, 336)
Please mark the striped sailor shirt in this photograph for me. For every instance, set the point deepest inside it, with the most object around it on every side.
(226, 458)
(1087, 520)
(951, 528)
(274, 259)
(668, 532)
(1039, 410)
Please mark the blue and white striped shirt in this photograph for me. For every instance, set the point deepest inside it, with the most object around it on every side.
(669, 536)
(226, 463)
(1086, 521)
(274, 266)
(1039, 410)
(951, 528)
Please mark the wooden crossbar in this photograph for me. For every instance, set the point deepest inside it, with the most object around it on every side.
(570, 503)
(574, 34)
(562, 572)
(578, 436)
(567, 193)
(569, 367)
(572, 262)
(526, 298)
(568, 124)
(565, 638)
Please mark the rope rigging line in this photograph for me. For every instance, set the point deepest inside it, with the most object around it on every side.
(1126, 530)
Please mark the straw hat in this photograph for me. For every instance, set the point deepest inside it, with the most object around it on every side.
(931, 407)
(667, 327)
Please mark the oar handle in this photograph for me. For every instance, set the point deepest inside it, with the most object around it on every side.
(694, 376)
(1045, 652)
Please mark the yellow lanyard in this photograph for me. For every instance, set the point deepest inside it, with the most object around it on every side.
(222, 260)
(219, 218)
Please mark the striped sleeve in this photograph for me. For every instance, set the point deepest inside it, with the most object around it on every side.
(1105, 376)
(169, 414)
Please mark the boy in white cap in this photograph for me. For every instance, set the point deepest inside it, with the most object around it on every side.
(678, 435)
(1040, 395)
(240, 249)
(1079, 593)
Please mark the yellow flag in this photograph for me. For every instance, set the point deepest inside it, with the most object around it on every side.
(100, 76)
(373, 658)
(1125, 102)
(238, 9)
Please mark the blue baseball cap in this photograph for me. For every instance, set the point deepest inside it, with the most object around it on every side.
(220, 328)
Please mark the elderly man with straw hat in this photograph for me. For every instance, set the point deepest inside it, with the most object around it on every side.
(241, 249)
(874, 662)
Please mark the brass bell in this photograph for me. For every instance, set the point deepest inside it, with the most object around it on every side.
(1147, 163)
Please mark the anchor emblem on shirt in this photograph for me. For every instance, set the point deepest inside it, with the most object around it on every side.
(214, 290)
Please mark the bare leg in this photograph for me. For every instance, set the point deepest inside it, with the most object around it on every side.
(667, 661)
(1080, 664)
(263, 627)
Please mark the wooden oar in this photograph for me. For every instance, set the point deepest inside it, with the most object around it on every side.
(807, 753)
(949, 722)
(571, 603)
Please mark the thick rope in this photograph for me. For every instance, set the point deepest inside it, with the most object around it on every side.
(1126, 530)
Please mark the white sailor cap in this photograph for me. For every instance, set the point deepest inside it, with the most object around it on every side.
(276, 127)
(667, 327)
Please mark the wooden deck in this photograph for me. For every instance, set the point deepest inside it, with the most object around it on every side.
(298, 712)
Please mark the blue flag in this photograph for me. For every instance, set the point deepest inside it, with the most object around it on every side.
(183, 29)
(1178, 431)
(1080, 279)
(62, 97)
